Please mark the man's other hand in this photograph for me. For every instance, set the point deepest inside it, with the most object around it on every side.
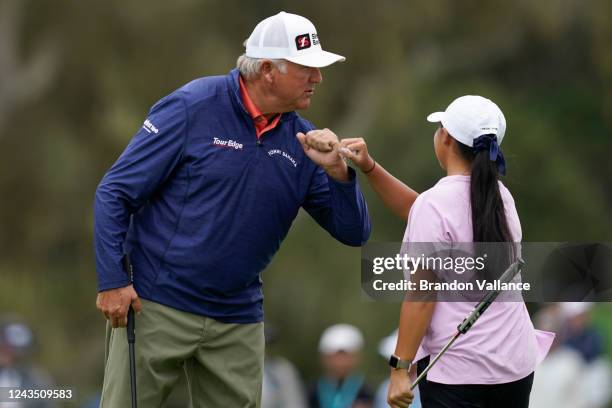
(114, 304)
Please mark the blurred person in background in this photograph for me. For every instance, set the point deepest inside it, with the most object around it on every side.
(579, 333)
(576, 373)
(16, 368)
(282, 385)
(555, 381)
(341, 385)
(201, 199)
(386, 347)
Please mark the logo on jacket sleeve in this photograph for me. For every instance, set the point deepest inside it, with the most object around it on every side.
(302, 41)
(149, 127)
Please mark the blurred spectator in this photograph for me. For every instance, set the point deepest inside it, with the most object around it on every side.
(282, 386)
(386, 347)
(576, 373)
(579, 334)
(341, 385)
(16, 370)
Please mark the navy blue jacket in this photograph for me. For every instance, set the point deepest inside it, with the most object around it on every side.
(202, 206)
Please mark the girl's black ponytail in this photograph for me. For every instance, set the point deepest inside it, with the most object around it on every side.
(489, 223)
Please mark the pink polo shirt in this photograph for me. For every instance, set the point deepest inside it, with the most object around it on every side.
(503, 345)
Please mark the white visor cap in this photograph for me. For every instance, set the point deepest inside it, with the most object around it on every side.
(469, 117)
(341, 337)
(290, 37)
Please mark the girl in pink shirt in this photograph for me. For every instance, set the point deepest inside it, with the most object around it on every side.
(493, 364)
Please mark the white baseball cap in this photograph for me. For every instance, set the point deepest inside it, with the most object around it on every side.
(570, 310)
(469, 117)
(341, 337)
(291, 37)
(386, 347)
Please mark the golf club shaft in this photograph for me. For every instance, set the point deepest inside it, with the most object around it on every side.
(432, 362)
(469, 321)
(131, 337)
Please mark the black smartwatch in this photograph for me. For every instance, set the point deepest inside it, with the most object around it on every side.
(398, 364)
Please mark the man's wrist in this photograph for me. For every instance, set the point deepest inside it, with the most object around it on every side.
(338, 172)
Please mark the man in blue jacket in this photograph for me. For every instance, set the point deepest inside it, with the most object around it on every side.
(201, 199)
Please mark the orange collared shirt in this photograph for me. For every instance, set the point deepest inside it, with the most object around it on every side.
(262, 123)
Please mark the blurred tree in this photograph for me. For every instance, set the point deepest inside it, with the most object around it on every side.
(21, 82)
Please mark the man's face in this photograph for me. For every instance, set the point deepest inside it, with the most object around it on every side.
(294, 88)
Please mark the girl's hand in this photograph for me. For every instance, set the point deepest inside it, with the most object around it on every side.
(399, 395)
(356, 150)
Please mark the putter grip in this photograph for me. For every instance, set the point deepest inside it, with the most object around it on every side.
(131, 326)
(484, 304)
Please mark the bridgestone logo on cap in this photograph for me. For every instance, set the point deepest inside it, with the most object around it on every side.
(302, 41)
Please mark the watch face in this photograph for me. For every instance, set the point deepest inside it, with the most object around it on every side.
(396, 362)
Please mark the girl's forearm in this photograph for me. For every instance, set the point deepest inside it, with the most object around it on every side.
(414, 321)
(396, 196)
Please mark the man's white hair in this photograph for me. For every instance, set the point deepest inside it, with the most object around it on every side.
(250, 67)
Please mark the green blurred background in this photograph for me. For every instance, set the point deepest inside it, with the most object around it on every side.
(78, 77)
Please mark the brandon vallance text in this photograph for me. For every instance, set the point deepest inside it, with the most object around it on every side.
(425, 285)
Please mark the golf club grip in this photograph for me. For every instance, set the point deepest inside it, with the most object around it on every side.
(484, 304)
(131, 326)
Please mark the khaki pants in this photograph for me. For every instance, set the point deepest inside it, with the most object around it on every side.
(223, 362)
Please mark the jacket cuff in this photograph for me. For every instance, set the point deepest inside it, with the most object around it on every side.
(102, 286)
(345, 184)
